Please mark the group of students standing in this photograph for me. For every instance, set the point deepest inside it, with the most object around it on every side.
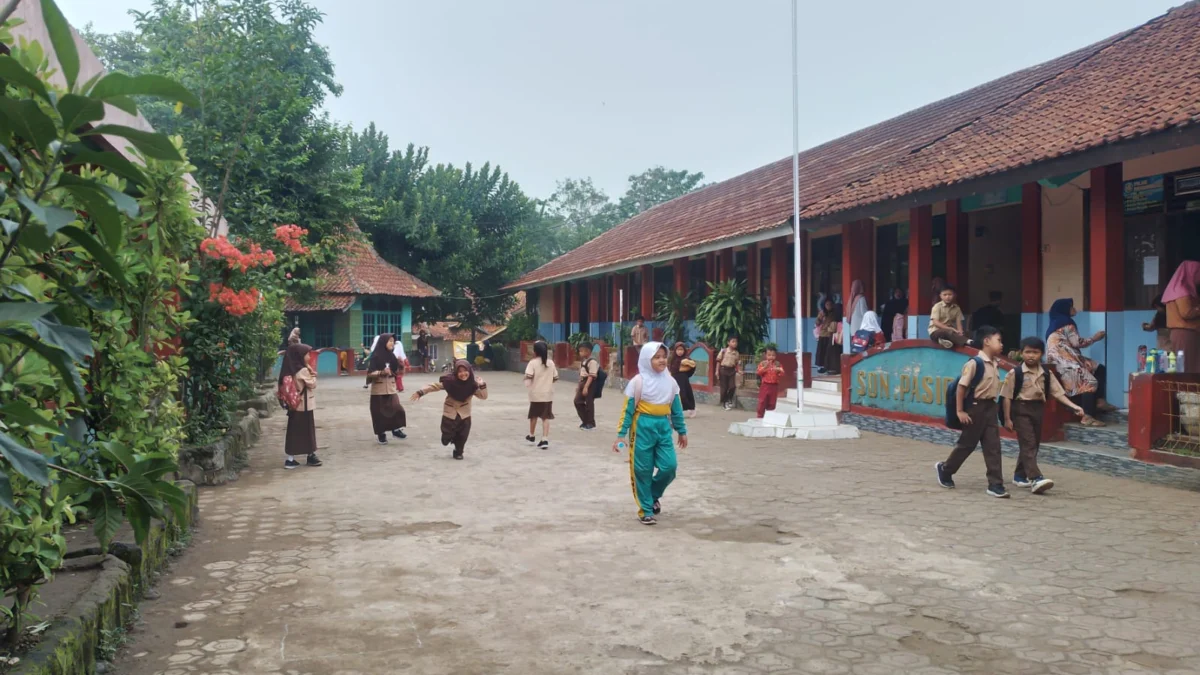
(385, 367)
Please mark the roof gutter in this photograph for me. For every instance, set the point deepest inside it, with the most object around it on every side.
(783, 229)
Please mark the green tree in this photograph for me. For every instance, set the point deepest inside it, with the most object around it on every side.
(576, 213)
(655, 186)
(264, 151)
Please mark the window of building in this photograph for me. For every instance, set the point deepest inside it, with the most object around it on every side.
(697, 278)
(1162, 229)
(323, 332)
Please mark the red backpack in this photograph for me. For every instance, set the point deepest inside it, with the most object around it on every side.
(288, 393)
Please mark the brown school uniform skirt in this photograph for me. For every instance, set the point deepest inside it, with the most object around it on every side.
(541, 411)
(456, 431)
(301, 438)
(387, 414)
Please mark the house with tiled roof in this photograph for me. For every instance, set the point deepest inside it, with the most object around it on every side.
(362, 297)
(1076, 178)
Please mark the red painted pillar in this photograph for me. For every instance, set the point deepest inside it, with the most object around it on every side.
(780, 307)
(594, 315)
(682, 283)
(806, 261)
(1107, 254)
(576, 301)
(1031, 248)
(647, 306)
(753, 277)
(920, 258)
(956, 250)
(725, 262)
(858, 245)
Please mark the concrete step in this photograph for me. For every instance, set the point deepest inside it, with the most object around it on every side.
(1115, 435)
(824, 399)
(827, 385)
(787, 415)
(756, 428)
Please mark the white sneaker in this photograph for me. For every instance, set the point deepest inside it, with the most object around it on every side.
(1041, 485)
(946, 343)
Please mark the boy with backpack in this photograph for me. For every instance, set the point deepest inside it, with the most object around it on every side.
(1024, 397)
(976, 410)
(585, 395)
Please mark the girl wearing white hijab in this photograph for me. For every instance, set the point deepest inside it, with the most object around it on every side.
(652, 409)
(868, 335)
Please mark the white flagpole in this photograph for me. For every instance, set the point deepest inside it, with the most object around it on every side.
(798, 265)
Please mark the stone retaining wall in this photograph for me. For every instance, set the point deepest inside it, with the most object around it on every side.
(220, 462)
(68, 647)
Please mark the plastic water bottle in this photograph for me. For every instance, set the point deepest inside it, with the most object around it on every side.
(1179, 367)
(622, 446)
(1150, 360)
(1171, 362)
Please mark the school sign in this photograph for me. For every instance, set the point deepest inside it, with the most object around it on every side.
(907, 378)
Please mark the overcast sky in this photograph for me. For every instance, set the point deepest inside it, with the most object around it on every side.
(551, 89)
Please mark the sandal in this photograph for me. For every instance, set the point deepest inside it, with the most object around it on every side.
(1106, 407)
(1089, 421)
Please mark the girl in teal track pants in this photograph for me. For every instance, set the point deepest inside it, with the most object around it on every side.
(652, 409)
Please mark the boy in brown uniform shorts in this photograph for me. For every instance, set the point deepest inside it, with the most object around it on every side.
(979, 421)
(1023, 412)
(946, 321)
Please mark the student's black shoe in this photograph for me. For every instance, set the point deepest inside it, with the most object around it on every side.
(382, 439)
(997, 491)
(399, 433)
(531, 439)
(445, 441)
(366, 386)
(544, 444)
(583, 427)
(1022, 481)
(648, 520)
(458, 454)
(313, 460)
(944, 478)
(1040, 484)
(291, 464)
(657, 507)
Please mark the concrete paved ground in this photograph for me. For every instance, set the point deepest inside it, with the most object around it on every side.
(772, 556)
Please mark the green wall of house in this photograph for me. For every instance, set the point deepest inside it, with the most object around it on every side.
(358, 326)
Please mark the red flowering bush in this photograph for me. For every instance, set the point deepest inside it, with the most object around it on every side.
(291, 236)
(220, 248)
(237, 303)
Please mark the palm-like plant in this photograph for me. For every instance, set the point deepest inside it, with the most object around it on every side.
(671, 310)
(729, 311)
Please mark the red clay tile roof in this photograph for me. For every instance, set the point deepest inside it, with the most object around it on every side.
(361, 271)
(1134, 83)
(451, 331)
(322, 303)
(1143, 82)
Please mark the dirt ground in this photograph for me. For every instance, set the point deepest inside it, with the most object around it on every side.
(771, 556)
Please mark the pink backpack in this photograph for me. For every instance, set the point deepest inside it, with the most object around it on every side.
(289, 393)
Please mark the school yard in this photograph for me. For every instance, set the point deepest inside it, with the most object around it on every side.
(771, 556)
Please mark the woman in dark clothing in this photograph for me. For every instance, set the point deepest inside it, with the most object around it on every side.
(682, 368)
(895, 306)
(829, 353)
(387, 415)
(299, 381)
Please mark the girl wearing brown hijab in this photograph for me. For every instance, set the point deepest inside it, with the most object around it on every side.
(301, 437)
(386, 412)
(682, 368)
(461, 386)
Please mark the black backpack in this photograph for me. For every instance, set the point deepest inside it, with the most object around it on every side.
(1018, 382)
(968, 399)
(599, 381)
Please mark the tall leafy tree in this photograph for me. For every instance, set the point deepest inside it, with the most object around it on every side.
(655, 186)
(264, 151)
(577, 212)
(467, 231)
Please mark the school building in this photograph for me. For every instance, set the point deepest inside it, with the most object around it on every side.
(1077, 178)
(364, 297)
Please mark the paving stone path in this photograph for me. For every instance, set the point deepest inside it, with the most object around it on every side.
(771, 557)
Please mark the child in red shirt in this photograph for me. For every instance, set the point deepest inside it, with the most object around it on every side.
(769, 371)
